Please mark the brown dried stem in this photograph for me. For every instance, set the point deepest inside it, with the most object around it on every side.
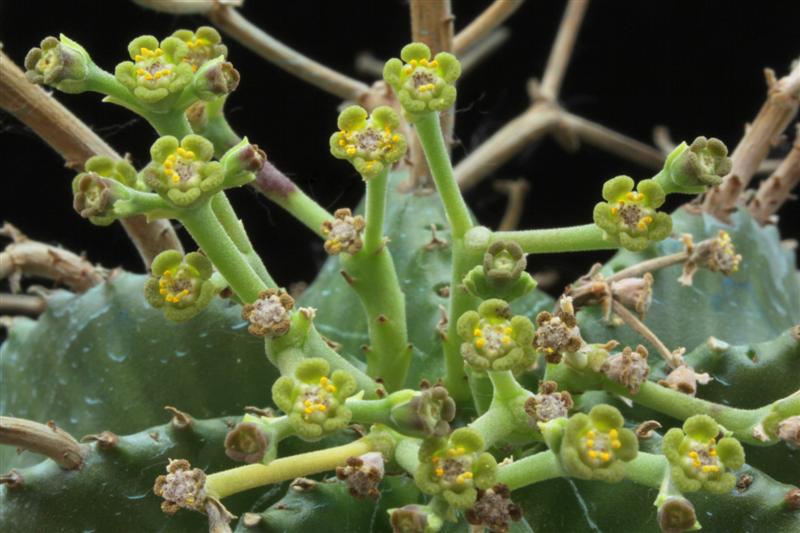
(22, 304)
(516, 190)
(561, 52)
(31, 258)
(780, 107)
(777, 189)
(672, 359)
(483, 25)
(186, 7)
(76, 143)
(47, 440)
(230, 21)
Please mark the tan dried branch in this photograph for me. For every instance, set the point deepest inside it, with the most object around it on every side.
(481, 28)
(32, 258)
(780, 107)
(673, 359)
(233, 23)
(561, 52)
(777, 189)
(47, 440)
(22, 304)
(186, 7)
(76, 143)
(516, 190)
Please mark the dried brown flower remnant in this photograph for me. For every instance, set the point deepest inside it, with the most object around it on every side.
(685, 379)
(246, 442)
(343, 233)
(717, 255)
(676, 515)
(548, 404)
(494, 509)
(628, 368)
(269, 315)
(559, 333)
(636, 293)
(362, 475)
(183, 487)
(789, 431)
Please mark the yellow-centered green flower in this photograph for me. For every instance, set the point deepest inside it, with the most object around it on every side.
(202, 45)
(158, 70)
(61, 63)
(698, 459)
(423, 84)
(180, 285)
(183, 172)
(629, 216)
(369, 142)
(103, 183)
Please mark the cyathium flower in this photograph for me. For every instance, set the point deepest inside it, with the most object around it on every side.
(183, 487)
(362, 475)
(629, 216)
(455, 467)
(97, 189)
(628, 368)
(158, 72)
(423, 84)
(414, 519)
(700, 461)
(494, 509)
(370, 142)
(558, 335)
(180, 285)
(496, 340)
(183, 173)
(502, 274)
(61, 63)
(595, 445)
(269, 315)
(717, 255)
(427, 412)
(314, 398)
(203, 45)
(343, 233)
(693, 168)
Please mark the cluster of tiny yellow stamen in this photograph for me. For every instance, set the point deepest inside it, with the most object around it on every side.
(171, 161)
(349, 140)
(597, 446)
(706, 461)
(412, 66)
(166, 286)
(317, 402)
(633, 196)
(146, 53)
(496, 334)
(194, 44)
(442, 466)
(726, 245)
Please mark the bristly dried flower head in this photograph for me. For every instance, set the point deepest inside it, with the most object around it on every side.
(636, 293)
(183, 487)
(343, 233)
(789, 431)
(628, 368)
(558, 334)
(549, 404)
(269, 315)
(494, 509)
(363, 475)
(685, 379)
(717, 255)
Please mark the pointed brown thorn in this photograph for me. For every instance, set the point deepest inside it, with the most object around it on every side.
(105, 440)
(180, 420)
(12, 480)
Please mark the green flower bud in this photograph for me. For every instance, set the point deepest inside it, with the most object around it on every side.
(269, 315)
(558, 335)
(630, 217)
(214, 79)
(314, 398)
(183, 173)
(676, 515)
(426, 413)
(421, 84)
(180, 285)
(595, 445)
(96, 190)
(247, 442)
(63, 64)
(494, 509)
(202, 45)
(698, 460)
(455, 467)
(241, 163)
(693, 168)
(415, 519)
(158, 72)
(494, 340)
(502, 274)
(369, 142)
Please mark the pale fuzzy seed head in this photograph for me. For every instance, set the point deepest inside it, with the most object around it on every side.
(685, 379)
(628, 368)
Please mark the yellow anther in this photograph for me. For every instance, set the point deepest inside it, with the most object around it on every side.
(439, 472)
(162, 291)
(308, 410)
(549, 349)
(307, 403)
(342, 142)
(616, 444)
(506, 339)
(331, 388)
(710, 468)
(613, 434)
(648, 219)
(631, 196)
(592, 454)
(185, 292)
(194, 68)
(590, 434)
(395, 138)
(477, 332)
(141, 71)
(146, 52)
(408, 69)
(370, 164)
(590, 443)
(480, 343)
(696, 463)
(148, 76)
(138, 58)
(605, 456)
(433, 64)
(413, 63)
(712, 453)
(351, 150)
(693, 454)
(508, 331)
(467, 475)
(423, 62)
(435, 459)
(158, 52)
(322, 407)
(614, 210)
(167, 274)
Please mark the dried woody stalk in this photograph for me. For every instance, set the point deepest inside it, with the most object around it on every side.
(47, 440)
(76, 143)
(777, 189)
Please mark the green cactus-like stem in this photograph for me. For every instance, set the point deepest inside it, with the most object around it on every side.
(370, 411)
(228, 482)
(532, 469)
(209, 234)
(498, 421)
(224, 212)
(570, 239)
(375, 212)
(406, 454)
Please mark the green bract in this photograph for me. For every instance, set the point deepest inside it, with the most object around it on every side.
(698, 460)
(502, 274)
(421, 84)
(183, 173)
(496, 340)
(202, 45)
(63, 64)
(455, 467)
(216, 78)
(158, 71)
(314, 398)
(370, 142)
(631, 217)
(693, 168)
(595, 445)
(180, 285)
(97, 189)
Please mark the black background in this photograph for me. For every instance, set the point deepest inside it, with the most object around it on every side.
(695, 66)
